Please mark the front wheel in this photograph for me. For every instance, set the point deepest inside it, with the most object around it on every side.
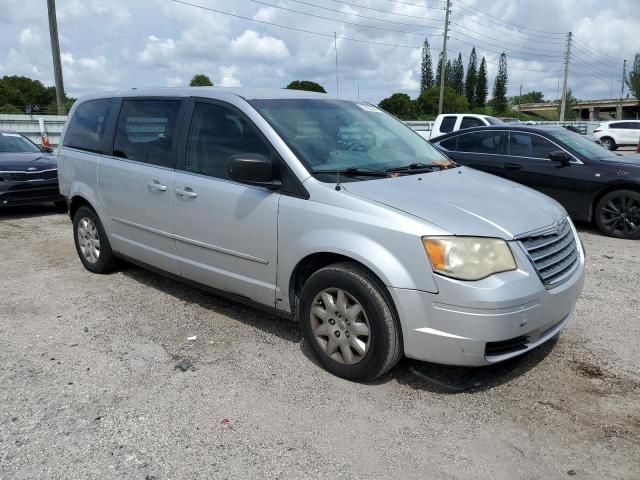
(608, 143)
(348, 322)
(92, 243)
(618, 214)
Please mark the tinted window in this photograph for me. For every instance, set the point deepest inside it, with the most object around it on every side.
(528, 145)
(216, 134)
(481, 142)
(449, 144)
(86, 129)
(581, 145)
(146, 131)
(468, 122)
(617, 125)
(447, 124)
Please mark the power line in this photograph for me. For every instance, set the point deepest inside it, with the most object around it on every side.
(386, 12)
(500, 53)
(464, 27)
(344, 21)
(466, 6)
(528, 50)
(598, 56)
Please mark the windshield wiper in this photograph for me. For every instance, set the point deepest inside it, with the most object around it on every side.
(420, 167)
(354, 171)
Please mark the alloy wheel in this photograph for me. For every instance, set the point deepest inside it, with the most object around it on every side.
(621, 215)
(340, 326)
(88, 240)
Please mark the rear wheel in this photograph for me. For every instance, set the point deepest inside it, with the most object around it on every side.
(608, 143)
(348, 322)
(617, 214)
(91, 242)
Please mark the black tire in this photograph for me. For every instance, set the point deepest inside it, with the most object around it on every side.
(61, 206)
(617, 214)
(608, 143)
(384, 344)
(106, 261)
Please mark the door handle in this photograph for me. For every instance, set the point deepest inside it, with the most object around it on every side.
(156, 185)
(186, 192)
(512, 166)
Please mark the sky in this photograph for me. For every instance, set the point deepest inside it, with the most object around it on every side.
(115, 44)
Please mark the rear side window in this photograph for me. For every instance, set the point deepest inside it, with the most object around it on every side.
(487, 142)
(449, 144)
(448, 123)
(616, 126)
(468, 122)
(146, 131)
(216, 134)
(87, 127)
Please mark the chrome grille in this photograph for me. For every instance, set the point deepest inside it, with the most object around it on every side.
(28, 176)
(554, 254)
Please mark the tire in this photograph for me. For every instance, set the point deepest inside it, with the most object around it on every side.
(608, 143)
(338, 338)
(95, 251)
(617, 214)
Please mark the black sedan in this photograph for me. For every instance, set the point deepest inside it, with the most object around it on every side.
(28, 173)
(592, 183)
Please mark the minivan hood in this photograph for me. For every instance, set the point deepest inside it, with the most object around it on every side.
(464, 201)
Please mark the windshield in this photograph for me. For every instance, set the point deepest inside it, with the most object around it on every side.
(494, 121)
(327, 135)
(16, 143)
(583, 146)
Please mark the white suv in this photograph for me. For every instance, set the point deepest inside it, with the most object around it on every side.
(618, 134)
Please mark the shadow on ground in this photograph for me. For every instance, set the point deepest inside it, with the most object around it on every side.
(419, 375)
(28, 211)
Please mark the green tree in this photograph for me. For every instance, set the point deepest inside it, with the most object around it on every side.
(427, 102)
(448, 75)
(499, 101)
(426, 67)
(457, 73)
(482, 86)
(18, 93)
(529, 97)
(307, 85)
(439, 72)
(472, 78)
(201, 80)
(633, 79)
(400, 105)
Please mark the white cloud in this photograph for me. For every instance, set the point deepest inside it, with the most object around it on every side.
(250, 45)
(228, 76)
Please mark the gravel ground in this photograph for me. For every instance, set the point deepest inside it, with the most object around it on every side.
(90, 387)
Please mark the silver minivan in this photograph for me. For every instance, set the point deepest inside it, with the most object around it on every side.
(330, 212)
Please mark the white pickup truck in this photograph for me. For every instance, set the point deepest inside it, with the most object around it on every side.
(450, 122)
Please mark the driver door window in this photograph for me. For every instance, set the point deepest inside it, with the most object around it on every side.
(530, 146)
(216, 134)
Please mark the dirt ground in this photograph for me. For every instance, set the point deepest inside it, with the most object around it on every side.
(90, 388)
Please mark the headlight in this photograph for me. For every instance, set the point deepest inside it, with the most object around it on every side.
(468, 258)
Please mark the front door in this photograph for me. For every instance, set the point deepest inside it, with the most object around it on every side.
(528, 163)
(135, 182)
(226, 232)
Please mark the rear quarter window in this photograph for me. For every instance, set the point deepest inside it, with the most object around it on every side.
(448, 124)
(88, 125)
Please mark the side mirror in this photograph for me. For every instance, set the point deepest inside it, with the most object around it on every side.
(47, 149)
(561, 157)
(253, 169)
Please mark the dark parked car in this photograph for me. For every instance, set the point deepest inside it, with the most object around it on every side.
(28, 173)
(592, 183)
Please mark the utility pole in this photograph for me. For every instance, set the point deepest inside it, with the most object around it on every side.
(443, 65)
(624, 74)
(563, 104)
(55, 52)
(519, 99)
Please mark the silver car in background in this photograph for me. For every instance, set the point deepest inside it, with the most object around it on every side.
(330, 212)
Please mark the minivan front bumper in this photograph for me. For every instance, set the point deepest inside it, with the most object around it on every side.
(487, 321)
